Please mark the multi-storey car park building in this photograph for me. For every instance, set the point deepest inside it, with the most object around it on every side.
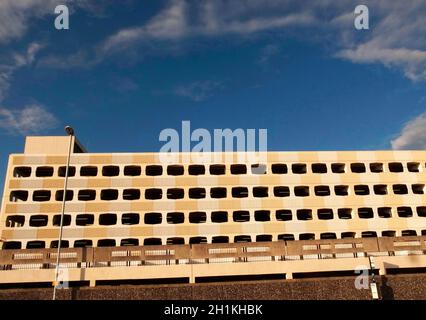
(130, 216)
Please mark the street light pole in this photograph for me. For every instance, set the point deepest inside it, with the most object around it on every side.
(70, 132)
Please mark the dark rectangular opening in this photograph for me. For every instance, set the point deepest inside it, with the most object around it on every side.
(175, 170)
(197, 193)
(262, 215)
(107, 219)
(365, 213)
(341, 190)
(376, 167)
(12, 245)
(286, 237)
(64, 244)
(62, 171)
(264, 238)
(36, 244)
(106, 243)
(15, 221)
(110, 171)
(22, 172)
(18, 196)
(258, 169)
(304, 214)
(388, 233)
(152, 242)
(154, 170)
(109, 194)
(413, 166)
(57, 220)
(260, 192)
(384, 212)
(400, 189)
(217, 169)
(219, 216)
(283, 215)
(281, 191)
(368, 234)
(362, 190)
(88, 171)
(59, 196)
(153, 194)
(380, 189)
(322, 191)
(328, 235)
(405, 212)
(175, 217)
(38, 221)
(175, 240)
(325, 214)
(242, 239)
(84, 219)
(197, 217)
(421, 211)
(408, 233)
(175, 193)
(344, 213)
(44, 172)
(279, 168)
(87, 195)
(347, 235)
(396, 167)
(196, 170)
(241, 216)
(418, 188)
(301, 191)
(307, 236)
(319, 168)
(197, 240)
(358, 167)
(218, 192)
(132, 171)
(298, 168)
(41, 195)
(153, 218)
(338, 168)
(220, 239)
(238, 169)
(83, 243)
(239, 192)
(130, 218)
(131, 194)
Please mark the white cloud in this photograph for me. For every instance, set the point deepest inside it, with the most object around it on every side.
(30, 120)
(207, 19)
(412, 135)
(18, 61)
(198, 90)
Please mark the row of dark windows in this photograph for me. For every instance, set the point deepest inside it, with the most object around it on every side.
(151, 218)
(215, 193)
(215, 169)
(37, 244)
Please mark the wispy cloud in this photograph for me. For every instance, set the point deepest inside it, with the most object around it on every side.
(199, 90)
(30, 120)
(17, 60)
(412, 135)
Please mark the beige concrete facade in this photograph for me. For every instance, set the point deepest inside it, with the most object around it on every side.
(118, 199)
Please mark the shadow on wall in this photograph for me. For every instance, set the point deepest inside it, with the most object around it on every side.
(386, 291)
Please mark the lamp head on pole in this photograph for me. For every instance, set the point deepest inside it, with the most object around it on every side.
(69, 130)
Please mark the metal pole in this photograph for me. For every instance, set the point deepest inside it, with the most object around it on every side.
(70, 132)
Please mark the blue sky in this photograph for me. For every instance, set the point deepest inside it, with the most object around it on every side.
(126, 70)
